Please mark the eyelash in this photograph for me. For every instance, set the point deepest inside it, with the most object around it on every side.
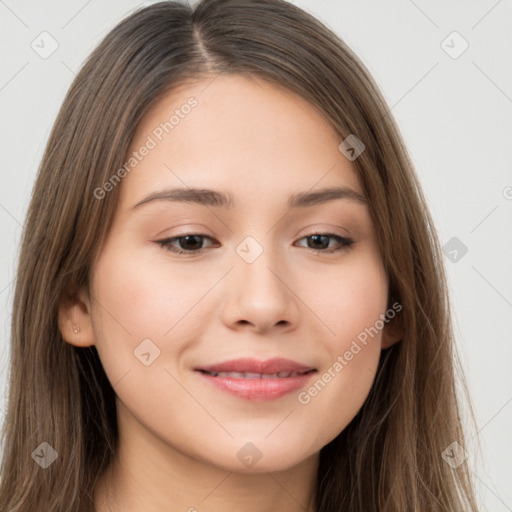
(345, 243)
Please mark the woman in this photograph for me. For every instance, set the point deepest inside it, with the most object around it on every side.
(302, 358)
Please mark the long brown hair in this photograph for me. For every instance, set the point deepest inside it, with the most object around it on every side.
(389, 458)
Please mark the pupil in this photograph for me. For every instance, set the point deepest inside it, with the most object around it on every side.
(188, 237)
(317, 238)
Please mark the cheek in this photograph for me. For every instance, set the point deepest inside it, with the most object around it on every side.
(348, 300)
(143, 322)
(352, 304)
(141, 297)
(135, 302)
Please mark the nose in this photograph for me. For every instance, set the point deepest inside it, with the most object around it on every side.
(261, 295)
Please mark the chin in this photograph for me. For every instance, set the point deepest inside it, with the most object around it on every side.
(262, 455)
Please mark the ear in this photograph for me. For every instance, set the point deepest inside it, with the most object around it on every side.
(75, 320)
(392, 332)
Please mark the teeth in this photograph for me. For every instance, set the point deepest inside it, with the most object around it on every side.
(252, 375)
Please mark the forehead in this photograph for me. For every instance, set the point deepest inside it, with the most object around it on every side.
(252, 138)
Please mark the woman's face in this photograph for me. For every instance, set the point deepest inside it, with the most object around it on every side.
(281, 271)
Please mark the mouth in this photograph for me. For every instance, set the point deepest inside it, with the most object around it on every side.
(253, 375)
(255, 380)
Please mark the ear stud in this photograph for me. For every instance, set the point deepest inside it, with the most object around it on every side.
(76, 329)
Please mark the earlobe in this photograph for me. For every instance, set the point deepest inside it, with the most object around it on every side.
(75, 320)
(392, 333)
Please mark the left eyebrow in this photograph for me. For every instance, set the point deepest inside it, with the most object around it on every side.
(305, 199)
(209, 197)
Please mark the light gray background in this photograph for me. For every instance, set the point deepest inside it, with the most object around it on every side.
(455, 117)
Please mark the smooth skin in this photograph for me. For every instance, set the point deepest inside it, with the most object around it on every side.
(180, 436)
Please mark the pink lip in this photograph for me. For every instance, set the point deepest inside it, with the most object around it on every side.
(258, 389)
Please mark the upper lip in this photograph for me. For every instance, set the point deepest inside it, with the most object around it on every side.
(269, 366)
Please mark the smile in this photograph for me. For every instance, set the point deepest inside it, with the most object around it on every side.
(255, 380)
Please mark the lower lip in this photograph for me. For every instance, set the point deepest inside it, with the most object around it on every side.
(260, 390)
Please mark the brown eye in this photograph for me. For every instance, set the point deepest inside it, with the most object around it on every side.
(186, 244)
(319, 242)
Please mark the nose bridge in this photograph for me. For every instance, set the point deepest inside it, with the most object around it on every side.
(257, 264)
(260, 295)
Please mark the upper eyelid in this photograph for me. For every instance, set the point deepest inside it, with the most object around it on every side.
(310, 232)
(204, 235)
